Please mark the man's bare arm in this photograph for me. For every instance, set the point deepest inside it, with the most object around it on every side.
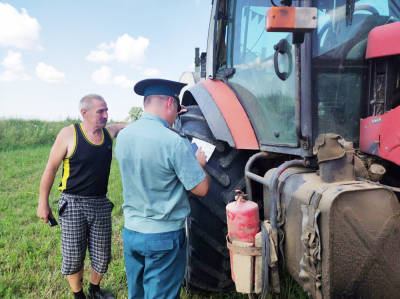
(57, 154)
(115, 128)
(202, 188)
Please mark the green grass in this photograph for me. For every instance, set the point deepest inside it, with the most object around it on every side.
(30, 255)
(17, 133)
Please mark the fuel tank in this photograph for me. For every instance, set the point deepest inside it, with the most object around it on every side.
(341, 239)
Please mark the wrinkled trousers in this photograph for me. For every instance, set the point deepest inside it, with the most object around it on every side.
(155, 263)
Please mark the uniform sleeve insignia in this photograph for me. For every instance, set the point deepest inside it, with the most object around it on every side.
(177, 132)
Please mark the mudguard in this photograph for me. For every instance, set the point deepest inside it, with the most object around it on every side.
(384, 41)
(224, 113)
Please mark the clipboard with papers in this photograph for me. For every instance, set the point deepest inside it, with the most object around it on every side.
(206, 147)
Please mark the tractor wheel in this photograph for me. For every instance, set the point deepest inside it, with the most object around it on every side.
(208, 257)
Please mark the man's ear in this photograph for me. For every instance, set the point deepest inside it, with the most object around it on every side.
(83, 112)
(170, 103)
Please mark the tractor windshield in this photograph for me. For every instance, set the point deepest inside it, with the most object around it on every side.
(339, 68)
(268, 100)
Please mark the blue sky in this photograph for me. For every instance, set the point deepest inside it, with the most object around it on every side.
(52, 53)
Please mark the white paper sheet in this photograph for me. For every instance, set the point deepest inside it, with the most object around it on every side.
(206, 147)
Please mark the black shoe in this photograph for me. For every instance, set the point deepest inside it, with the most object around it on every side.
(100, 294)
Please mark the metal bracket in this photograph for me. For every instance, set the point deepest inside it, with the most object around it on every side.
(228, 72)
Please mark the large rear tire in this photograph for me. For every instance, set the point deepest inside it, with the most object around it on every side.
(208, 257)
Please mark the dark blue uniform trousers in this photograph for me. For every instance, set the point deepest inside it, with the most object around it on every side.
(155, 263)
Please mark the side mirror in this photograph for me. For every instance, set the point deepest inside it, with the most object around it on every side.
(200, 62)
(203, 60)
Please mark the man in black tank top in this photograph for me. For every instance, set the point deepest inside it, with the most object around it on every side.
(84, 210)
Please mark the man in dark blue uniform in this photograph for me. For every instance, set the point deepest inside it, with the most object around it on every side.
(84, 210)
(158, 168)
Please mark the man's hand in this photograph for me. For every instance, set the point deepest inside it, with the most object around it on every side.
(201, 157)
(44, 212)
(202, 188)
(183, 110)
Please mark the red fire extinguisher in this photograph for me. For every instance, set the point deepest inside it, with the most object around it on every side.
(243, 222)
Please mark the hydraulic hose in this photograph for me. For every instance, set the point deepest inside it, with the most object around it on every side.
(248, 175)
(275, 205)
(265, 261)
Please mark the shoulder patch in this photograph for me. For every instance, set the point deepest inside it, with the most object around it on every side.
(176, 131)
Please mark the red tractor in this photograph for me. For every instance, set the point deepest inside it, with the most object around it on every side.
(305, 118)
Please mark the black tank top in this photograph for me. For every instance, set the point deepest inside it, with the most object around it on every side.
(87, 168)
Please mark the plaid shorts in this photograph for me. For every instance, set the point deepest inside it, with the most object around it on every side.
(85, 223)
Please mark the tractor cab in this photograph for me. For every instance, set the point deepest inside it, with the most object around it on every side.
(260, 67)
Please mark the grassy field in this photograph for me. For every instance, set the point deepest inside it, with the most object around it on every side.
(30, 256)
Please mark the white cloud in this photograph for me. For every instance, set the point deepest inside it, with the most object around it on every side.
(192, 65)
(18, 29)
(9, 76)
(49, 74)
(126, 49)
(13, 61)
(104, 46)
(14, 66)
(151, 72)
(103, 76)
(100, 56)
(123, 82)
